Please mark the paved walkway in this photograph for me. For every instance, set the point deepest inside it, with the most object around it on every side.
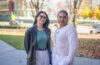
(11, 56)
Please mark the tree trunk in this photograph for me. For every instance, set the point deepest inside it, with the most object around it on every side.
(37, 10)
(74, 15)
(74, 18)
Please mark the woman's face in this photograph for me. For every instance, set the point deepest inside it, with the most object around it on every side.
(41, 18)
(62, 19)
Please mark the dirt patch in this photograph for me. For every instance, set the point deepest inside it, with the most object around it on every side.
(90, 36)
(13, 30)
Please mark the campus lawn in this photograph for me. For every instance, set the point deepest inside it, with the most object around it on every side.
(14, 39)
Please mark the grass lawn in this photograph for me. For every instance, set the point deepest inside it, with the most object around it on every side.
(16, 39)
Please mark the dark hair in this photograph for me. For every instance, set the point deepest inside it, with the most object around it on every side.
(63, 11)
(47, 19)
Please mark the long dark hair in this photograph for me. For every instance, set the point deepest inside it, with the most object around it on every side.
(45, 25)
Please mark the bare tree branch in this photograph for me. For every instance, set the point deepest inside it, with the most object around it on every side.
(41, 6)
(32, 4)
(37, 5)
(77, 4)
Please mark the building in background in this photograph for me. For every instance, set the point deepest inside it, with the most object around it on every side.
(22, 9)
(6, 8)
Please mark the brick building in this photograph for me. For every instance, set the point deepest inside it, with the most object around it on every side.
(6, 8)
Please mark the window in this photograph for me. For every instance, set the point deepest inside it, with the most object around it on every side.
(4, 5)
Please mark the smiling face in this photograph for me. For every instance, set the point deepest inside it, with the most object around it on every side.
(62, 19)
(41, 19)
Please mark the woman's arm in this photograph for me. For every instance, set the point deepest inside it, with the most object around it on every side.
(27, 41)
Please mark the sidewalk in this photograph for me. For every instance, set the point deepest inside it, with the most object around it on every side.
(11, 56)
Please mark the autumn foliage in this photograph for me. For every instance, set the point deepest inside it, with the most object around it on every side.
(89, 48)
(85, 12)
(97, 11)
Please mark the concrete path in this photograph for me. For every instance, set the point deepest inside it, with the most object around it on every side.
(11, 56)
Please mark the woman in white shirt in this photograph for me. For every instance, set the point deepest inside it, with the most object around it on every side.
(65, 41)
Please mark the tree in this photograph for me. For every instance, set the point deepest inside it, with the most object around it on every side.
(77, 4)
(74, 6)
(85, 12)
(37, 5)
(97, 12)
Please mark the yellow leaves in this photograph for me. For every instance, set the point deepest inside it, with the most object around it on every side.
(97, 12)
(85, 12)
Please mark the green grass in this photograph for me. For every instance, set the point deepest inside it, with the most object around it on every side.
(16, 41)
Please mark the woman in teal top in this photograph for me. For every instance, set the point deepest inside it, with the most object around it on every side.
(37, 41)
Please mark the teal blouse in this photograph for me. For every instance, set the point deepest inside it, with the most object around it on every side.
(41, 39)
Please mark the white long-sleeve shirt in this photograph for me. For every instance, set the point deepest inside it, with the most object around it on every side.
(65, 41)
